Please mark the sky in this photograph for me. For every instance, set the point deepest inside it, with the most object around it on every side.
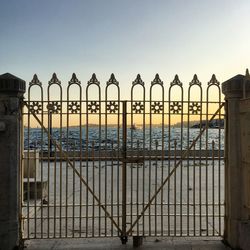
(125, 38)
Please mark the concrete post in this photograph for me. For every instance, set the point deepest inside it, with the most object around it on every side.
(11, 92)
(235, 182)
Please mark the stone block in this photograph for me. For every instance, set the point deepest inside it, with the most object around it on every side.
(244, 235)
(31, 167)
(37, 189)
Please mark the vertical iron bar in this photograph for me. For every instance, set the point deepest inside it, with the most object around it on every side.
(87, 166)
(137, 184)
(42, 161)
(67, 174)
(105, 165)
(131, 164)
(162, 159)
(156, 166)
(55, 173)
(143, 174)
(213, 208)
(112, 185)
(50, 132)
(194, 186)
(175, 200)
(41, 155)
(206, 173)
(100, 169)
(93, 188)
(188, 162)
(80, 129)
(60, 182)
(28, 179)
(200, 185)
(169, 162)
(118, 167)
(150, 166)
(73, 212)
(124, 172)
(118, 164)
(181, 166)
(100, 165)
(35, 207)
(49, 152)
(219, 171)
(21, 195)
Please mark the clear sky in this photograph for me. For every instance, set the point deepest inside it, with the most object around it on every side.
(125, 37)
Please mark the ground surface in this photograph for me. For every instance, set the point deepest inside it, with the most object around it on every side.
(115, 243)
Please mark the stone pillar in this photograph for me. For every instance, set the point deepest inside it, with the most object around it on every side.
(11, 93)
(235, 182)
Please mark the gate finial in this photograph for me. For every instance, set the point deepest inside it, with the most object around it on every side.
(138, 80)
(213, 81)
(35, 81)
(54, 80)
(112, 80)
(157, 80)
(176, 81)
(195, 81)
(93, 80)
(74, 80)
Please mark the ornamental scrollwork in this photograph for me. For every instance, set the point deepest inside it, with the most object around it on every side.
(194, 108)
(175, 107)
(35, 107)
(54, 107)
(112, 107)
(157, 107)
(138, 107)
(74, 107)
(93, 107)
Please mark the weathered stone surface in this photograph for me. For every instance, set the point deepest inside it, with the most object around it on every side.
(11, 90)
(233, 88)
(244, 235)
(235, 182)
(12, 85)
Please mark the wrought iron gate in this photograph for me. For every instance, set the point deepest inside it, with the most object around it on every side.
(99, 167)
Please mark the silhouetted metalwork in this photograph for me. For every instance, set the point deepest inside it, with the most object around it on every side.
(113, 167)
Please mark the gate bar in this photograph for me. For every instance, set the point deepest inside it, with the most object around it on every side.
(124, 237)
(174, 169)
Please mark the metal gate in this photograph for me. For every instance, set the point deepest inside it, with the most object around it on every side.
(101, 167)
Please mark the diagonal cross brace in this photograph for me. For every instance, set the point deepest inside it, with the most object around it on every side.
(65, 156)
(184, 155)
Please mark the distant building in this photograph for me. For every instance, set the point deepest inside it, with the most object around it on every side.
(216, 123)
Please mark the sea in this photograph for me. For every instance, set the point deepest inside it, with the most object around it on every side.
(112, 138)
